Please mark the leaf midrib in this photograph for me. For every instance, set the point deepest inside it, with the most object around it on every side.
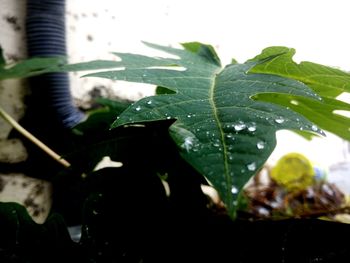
(222, 135)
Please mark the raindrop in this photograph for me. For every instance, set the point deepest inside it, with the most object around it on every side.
(198, 129)
(216, 144)
(279, 120)
(239, 126)
(314, 127)
(189, 116)
(149, 102)
(260, 145)
(252, 127)
(234, 190)
(138, 108)
(229, 136)
(251, 166)
(230, 157)
(168, 117)
(294, 102)
(188, 144)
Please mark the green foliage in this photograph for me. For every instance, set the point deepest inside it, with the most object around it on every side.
(218, 127)
(206, 123)
(326, 81)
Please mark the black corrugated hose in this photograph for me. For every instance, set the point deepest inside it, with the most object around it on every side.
(46, 37)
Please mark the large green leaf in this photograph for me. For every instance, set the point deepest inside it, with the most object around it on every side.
(220, 130)
(326, 81)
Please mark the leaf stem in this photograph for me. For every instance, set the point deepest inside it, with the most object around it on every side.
(32, 138)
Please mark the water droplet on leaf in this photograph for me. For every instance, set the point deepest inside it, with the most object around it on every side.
(138, 108)
(234, 190)
(188, 144)
(260, 145)
(239, 126)
(279, 120)
(252, 127)
(294, 102)
(251, 166)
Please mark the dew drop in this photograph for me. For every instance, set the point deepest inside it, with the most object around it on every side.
(251, 166)
(189, 116)
(168, 117)
(216, 144)
(294, 102)
(229, 136)
(239, 126)
(187, 144)
(279, 120)
(149, 102)
(234, 190)
(230, 157)
(260, 145)
(138, 108)
(252, 128)
(314, 127)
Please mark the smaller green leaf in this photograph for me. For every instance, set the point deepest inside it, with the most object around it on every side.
(31, 67)
(321, 112)
(99, 120)
(324, 80)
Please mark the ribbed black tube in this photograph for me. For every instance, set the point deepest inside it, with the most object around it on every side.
(46, 37)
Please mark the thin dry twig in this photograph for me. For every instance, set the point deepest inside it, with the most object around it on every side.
(32, 138)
